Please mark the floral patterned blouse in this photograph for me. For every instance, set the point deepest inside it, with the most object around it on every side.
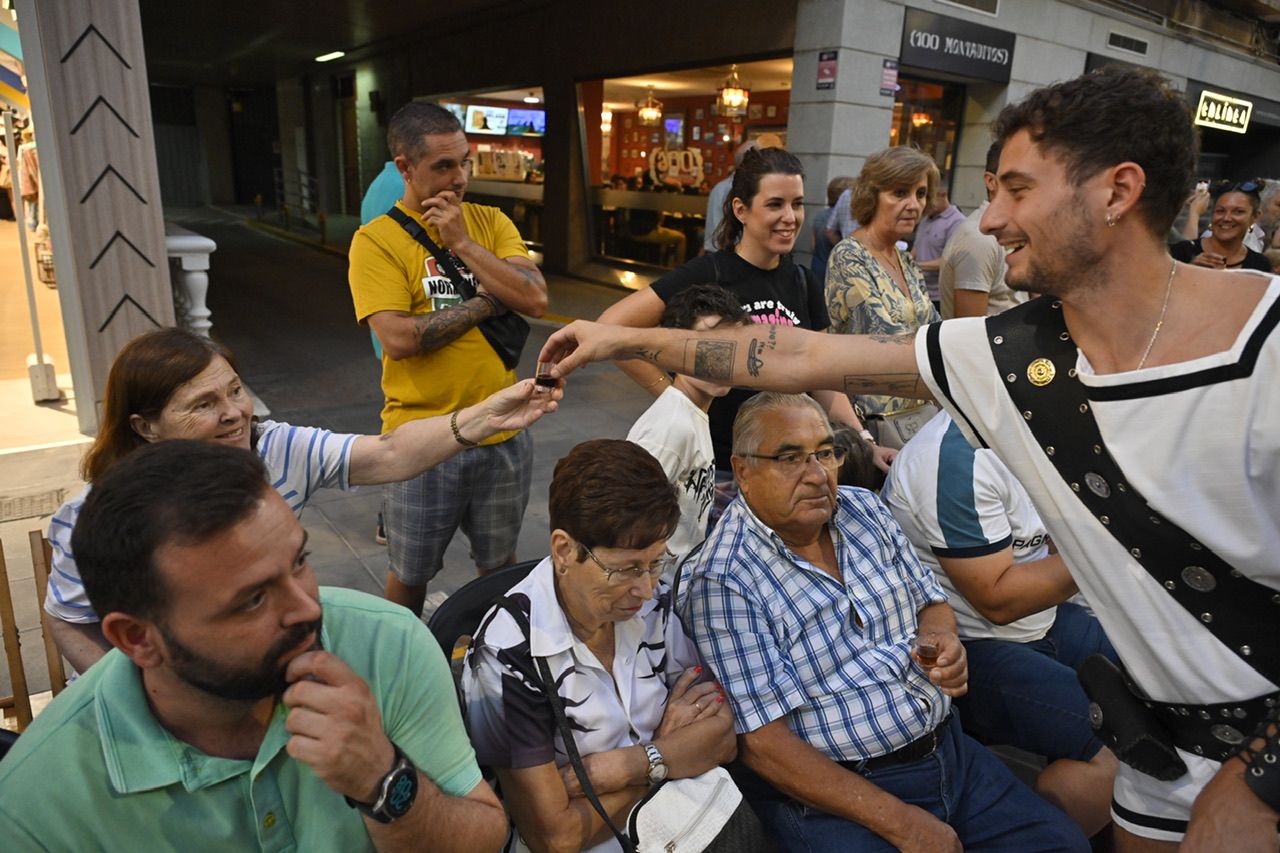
(863, 299)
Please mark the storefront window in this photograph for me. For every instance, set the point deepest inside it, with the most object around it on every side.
(650, 169)
(927, 116)
(505, 130)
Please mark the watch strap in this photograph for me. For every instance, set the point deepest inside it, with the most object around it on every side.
(378, 810)
(655, 761)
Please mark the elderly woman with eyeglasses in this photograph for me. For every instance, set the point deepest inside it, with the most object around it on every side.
(639, 706)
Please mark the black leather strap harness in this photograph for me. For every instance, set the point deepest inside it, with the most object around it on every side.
(1037, 358)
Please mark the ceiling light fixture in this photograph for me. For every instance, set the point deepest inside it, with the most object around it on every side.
(327, 57)
(734, 95)
(606, 121)
(531, 98)
(650, 110)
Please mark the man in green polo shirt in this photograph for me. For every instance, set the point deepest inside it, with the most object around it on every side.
(243, 707)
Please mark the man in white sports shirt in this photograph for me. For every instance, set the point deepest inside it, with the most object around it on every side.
(1177, 367)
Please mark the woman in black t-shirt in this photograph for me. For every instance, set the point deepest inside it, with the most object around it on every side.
(763, 214)
(1235, 208)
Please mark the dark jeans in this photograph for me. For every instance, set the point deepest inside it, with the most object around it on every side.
(1027, 694)
(962, 783)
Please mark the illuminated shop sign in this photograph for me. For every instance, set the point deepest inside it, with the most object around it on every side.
(941, 43)
(1223, 112)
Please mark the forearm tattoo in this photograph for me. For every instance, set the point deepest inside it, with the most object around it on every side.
(647, 355)
(908, 339)
(712, 359)
(441, 328)
(754, 361)
(757, 348)
(890, 384)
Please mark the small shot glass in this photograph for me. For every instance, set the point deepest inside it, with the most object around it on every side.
(925, 651)
(542, 377)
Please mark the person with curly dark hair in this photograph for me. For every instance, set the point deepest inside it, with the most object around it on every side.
(1136, 401)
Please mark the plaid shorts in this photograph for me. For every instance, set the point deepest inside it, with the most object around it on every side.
(483, 490)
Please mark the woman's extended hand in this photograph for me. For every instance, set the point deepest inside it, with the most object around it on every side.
(688, 702)
(520, 405)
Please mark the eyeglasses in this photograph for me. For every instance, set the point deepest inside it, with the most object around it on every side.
(631, 574)
(794, 461)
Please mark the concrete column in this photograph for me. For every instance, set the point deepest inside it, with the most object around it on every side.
(833, 130)
(982, 103)
(215, 131)
(87, 77)
(564, 196)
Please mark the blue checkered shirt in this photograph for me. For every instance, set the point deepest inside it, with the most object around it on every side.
(787, 640)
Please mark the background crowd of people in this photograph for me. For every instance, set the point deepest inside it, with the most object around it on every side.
(741, 628)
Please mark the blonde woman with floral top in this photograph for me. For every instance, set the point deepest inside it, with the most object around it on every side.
(873, 287)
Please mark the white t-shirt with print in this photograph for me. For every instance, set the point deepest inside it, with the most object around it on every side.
(678, 434)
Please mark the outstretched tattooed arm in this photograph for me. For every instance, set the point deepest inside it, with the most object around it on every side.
(778, 358)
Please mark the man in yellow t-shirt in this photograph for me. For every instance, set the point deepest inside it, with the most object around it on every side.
(435, 360)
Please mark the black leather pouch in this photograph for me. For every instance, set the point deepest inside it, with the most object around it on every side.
(1125, 724)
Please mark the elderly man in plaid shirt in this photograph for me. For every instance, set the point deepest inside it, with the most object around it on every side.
(805, 602)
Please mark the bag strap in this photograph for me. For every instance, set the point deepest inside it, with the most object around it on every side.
(1037, 358)
(562, 723)
(417, 232)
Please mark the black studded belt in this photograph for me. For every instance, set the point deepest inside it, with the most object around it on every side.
(1213, 731)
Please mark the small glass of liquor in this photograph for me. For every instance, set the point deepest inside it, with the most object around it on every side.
(542, 377)
(925, 651)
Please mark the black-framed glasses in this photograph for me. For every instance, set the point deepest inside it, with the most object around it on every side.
(794, 461)
(631, 574)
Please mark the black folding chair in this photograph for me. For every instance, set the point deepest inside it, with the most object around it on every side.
(7, 739)
(460, 614)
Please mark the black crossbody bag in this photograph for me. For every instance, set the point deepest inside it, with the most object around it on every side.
(506, 332)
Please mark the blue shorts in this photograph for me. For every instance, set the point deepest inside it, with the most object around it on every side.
(483, 490)
(1027, 695)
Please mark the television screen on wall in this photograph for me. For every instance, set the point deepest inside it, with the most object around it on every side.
(526, 122)
(460, 110)
(674, 127)
(486, 120)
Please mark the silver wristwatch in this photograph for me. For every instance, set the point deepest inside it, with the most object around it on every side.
(657, 771)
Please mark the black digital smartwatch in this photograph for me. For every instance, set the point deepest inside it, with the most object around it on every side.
(396, 791)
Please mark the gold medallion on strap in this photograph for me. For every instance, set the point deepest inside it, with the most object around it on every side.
(1041, 372)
